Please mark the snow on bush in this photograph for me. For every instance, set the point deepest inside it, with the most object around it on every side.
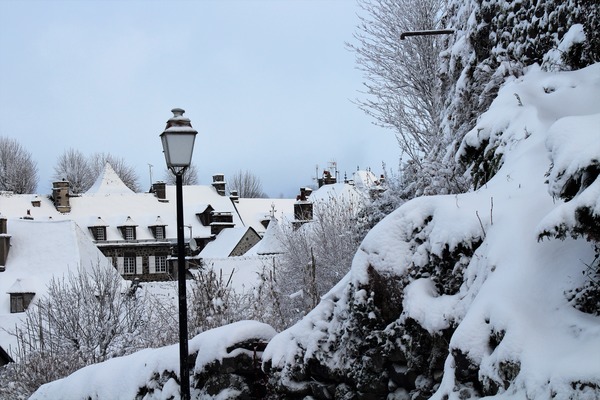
(152, 374)
(454, 296)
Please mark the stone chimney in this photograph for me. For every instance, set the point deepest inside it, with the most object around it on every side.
(60, 194)
(234, 196)
(219, 183)
(303, 209)
(4, 243)
(160, 190)
(327, 179)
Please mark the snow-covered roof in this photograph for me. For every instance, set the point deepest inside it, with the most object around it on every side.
(108, 183)
(271, 242)
(39, 251)
(253, 211)
(24, 285)
(224, 244)
(114, 208)
(338, 192)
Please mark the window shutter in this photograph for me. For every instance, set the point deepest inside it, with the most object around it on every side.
(120, 265)
(152, 264)
(138, 265)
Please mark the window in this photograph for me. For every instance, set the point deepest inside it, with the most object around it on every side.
(129, 265)
(161, 264)
(159, 232)
(20, 301)
(129, 233)
(17, 303)
(100, 233)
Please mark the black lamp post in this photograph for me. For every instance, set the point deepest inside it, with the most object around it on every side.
(178, 145)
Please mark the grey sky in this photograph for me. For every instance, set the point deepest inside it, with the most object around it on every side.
(267, 84)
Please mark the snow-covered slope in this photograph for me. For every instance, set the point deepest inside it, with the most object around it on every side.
(457, 296)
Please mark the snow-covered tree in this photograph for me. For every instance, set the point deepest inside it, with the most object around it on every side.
(18, 171)
(495, 41)
(74, 167)
(402, 89)
(317, 255)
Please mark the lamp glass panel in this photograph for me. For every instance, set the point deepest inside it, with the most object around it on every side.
(178, 148)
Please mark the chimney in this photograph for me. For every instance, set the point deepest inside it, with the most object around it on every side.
(219, 183)
(234, 196)
(303, 209)
(160, 190)
(4, 243)
(305, 193)
(60, 194)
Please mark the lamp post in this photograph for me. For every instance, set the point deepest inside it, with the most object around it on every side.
(178, 145)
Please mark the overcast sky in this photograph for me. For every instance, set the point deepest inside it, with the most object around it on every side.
(267, 84)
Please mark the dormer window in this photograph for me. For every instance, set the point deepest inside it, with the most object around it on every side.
(204, 215)
(20, 301)
(21, 294)
(99, 233)
(129, 233)
(158, 229)
(98, 230)
(128, 230)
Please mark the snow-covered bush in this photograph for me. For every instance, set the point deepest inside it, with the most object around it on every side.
(454, 297)
(495, 41)
(317, 255)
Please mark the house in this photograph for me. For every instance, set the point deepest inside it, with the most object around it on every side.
(138, 231)
(36, 254)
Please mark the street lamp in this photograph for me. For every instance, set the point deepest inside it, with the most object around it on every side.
(178, 145)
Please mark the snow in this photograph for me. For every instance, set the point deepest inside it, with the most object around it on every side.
(253, 211)
(574, 35)
(40, 251)
(514, 283)
(225, 243)
(110, 203)
(121, 377)
(271, 243)
(108, 183)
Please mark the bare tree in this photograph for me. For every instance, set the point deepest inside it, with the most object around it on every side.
(247, 184)
(317, 255)
(18, 171)
(402, 91)
(126, 172)
(190, 176)
(74, 167)
(86, 317)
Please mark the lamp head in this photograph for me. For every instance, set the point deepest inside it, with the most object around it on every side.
(178, 142)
